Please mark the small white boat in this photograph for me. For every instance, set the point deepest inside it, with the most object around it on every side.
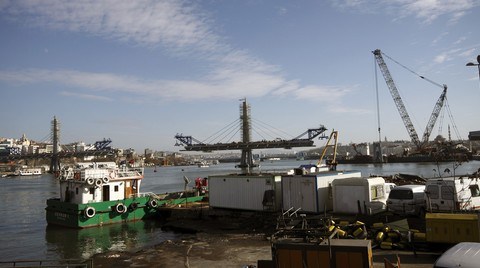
(30, 172)
(202, 164)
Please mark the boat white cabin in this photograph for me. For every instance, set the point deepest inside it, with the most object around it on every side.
(97, 182)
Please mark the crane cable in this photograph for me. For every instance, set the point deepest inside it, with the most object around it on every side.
(447, 107)
(455, 129)
(410, 70)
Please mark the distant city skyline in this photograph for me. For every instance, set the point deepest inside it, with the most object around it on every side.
(140, 72)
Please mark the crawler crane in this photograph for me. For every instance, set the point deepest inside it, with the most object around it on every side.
(420, 144)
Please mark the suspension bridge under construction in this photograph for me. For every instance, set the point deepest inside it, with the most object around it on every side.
(246, 145)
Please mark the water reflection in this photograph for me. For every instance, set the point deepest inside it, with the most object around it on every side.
(84, 243)
(24, 234)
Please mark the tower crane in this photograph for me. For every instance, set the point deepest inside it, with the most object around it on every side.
(401, 107)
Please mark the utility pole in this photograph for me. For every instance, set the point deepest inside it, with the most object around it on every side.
(475, 135)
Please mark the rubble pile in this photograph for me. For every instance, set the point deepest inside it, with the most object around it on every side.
(396, 235)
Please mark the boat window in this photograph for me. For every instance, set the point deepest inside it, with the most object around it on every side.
(115, 188)
(401, 194)
(432, 191)
(474, 190)
(92, 190)
(447, 192)
(76, 190)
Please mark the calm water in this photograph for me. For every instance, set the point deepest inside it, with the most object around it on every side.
(24, 233)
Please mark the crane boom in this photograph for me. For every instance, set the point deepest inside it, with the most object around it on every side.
(434, 115)
(396, 97)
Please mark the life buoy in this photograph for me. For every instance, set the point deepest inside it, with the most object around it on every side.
(90, 181)
(105, 180)
(120, 208)
(89, 212)
(152, 203)
(98, 182)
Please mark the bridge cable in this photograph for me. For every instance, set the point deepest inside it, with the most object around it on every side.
(216, 135)
(279, 130)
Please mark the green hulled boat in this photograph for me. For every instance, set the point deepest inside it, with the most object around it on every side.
(94, 194)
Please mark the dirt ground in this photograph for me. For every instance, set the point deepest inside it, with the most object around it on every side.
(205, 250)
(234, 243)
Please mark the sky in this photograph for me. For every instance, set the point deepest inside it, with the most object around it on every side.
(139, 72)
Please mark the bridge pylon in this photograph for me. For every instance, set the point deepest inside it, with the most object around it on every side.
(55, 160)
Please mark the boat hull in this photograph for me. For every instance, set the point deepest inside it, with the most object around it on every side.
(109, 212)
(99, 213)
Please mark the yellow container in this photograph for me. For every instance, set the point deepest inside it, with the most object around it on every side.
(452, 228)
(331, 228)
(359, 223)
(341, 232)
(343, 223)
(380, 236)
(386, 229)
(358, 232)
(386, 245)
(393, 235)
(419, 236)
(377, 225)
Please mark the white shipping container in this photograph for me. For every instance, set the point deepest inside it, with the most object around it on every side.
(312, 192)
(369, 193)
(245, 192)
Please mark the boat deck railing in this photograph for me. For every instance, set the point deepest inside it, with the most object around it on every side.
(146, 194)
(78, 263)
(130, 172)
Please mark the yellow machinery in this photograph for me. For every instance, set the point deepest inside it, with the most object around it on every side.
(452, 227)
(333, 162)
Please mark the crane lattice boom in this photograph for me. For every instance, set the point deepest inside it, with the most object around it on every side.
(396, 97)
(435, 114)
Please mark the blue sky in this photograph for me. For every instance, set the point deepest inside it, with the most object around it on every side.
(140, 72)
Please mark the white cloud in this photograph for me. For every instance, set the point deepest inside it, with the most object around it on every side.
(178, 25)
(467, 53)
(224, 84)
(440, 58)
(460, 40)
(171, 23)
(85, 96)
(425, 10)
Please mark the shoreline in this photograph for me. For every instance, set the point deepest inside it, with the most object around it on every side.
(228, 241)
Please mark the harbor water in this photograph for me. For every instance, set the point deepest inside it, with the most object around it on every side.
(24, 234)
